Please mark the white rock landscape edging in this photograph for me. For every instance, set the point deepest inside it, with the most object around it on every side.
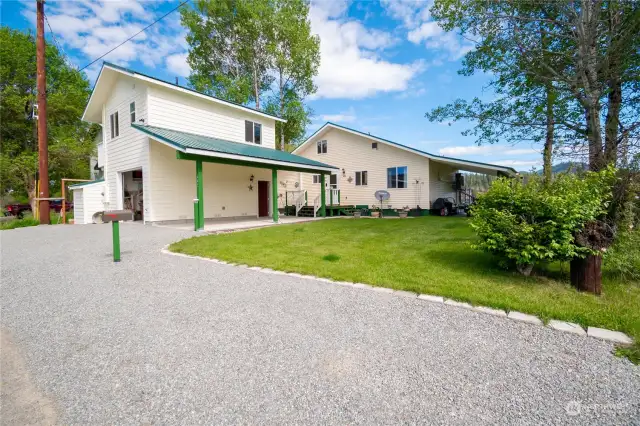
(565, 327)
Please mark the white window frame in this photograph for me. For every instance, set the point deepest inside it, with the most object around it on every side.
(253, 132)
(115, 126)
(406, 181)
(322, 147)
(362, 174)
(132, 112)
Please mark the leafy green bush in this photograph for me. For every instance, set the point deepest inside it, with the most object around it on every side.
(526, 224)
(19, 223)
(623, 259)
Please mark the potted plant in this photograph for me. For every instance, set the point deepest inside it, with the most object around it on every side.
(375, 211)
(404, 212)
(357, 214)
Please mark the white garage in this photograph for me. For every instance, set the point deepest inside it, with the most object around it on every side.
(88, 199)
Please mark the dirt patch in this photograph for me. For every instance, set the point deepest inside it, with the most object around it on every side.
(22, 402)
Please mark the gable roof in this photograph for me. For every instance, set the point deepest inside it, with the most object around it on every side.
(81, 184)
(191, 143)
(449, 160)
(108, 73)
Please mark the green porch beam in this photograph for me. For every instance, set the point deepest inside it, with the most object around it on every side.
(323, 197)
(194, 157)
(200, 195)
(274, 194)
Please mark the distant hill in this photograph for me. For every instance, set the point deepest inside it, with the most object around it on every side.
(567, 166)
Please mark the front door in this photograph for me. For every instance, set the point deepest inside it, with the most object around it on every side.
(333, 182)
(263, 198)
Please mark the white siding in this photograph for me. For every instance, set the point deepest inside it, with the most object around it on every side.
(78, 207)
(130, 150)
(100, 154)
(441, 177)
(354, 153)
(226, 188)
(179, 111)
(92, 196)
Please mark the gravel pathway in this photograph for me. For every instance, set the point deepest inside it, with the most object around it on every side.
(160, 339)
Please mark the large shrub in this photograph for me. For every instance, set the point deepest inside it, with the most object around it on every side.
(528, 223)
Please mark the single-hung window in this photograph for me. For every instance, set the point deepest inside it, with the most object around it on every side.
(115, 130)
(322, 147)
(397, 177)
(361, 178)
(132, 112)
(253, 132)
(374, 145)
(316, 178)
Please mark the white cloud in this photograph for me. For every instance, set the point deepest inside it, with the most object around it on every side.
(519, 163)
(485, 150)
(421, 29)
(87, 30)
(343, 117)
(177, 63)
(351, 66)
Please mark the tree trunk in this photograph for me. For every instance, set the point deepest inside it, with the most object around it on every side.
(586, 274)
(548, 144)
(612, 121)
(281, 112)
(255, 87)
(594, 138)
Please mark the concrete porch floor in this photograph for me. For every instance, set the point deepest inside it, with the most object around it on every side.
(229, 224)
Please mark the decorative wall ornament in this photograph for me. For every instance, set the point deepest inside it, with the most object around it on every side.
(250, 187)
(350, 179)
(297, 184)
(343, 173)
(251, 178)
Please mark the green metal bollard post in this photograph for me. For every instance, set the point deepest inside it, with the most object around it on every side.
(196, 225)
(115, 225)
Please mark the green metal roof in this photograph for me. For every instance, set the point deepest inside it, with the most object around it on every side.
(254, 153)
(77, 185)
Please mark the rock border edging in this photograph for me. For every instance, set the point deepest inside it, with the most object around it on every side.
(563, 326)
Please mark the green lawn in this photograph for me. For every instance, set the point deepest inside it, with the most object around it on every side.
(431, 255)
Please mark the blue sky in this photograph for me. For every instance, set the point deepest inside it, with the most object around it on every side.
(383, 64)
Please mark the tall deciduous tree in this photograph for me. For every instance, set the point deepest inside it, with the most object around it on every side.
(70, 140)
(228, 52)
(259, 51)
(296, 58)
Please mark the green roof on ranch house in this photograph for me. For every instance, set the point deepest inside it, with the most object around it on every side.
(191, 143)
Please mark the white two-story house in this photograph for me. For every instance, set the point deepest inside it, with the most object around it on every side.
(172, 154)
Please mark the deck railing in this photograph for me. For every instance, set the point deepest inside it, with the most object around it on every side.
(316, 205)
(333, 196)
(300, 201)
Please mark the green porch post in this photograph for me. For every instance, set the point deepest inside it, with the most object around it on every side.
(338, 197)
(323, 197)
(274, 194)
(200, 195)
(330, 196)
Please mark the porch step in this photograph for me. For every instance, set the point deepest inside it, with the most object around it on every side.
(306, 211)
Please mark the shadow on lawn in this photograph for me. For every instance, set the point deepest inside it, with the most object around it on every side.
(466, 260)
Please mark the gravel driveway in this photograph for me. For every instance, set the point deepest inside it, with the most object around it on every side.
(159, 339)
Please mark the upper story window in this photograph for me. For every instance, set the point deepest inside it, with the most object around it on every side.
(253, 132)
(361, 178)
(115, 127)
(322, 147)
(374, 145)
(397, 177)
(132, 112)
(316, 178)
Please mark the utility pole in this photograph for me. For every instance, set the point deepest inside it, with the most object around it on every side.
(43, 148)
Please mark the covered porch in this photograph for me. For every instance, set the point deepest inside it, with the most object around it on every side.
(245, 176)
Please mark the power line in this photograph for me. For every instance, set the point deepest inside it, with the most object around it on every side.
(55, 41)
(141, 31)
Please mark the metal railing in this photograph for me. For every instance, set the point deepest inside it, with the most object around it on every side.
(316, 205)
(333, 196)
(300, 201)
